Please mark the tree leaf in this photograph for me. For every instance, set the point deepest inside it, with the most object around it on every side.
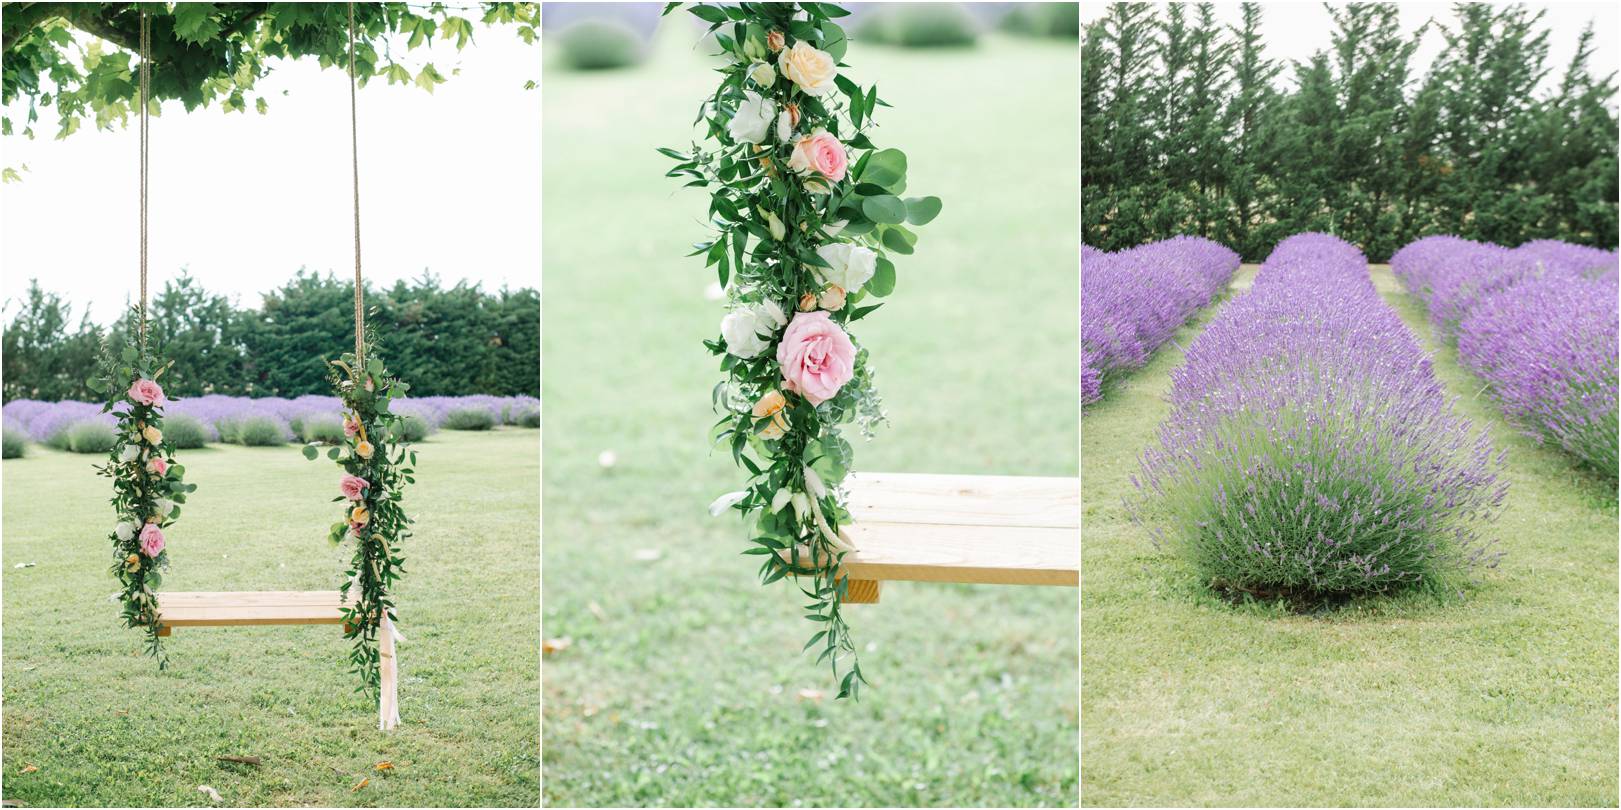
(885, 209)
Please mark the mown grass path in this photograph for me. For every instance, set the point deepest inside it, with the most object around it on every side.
(1506, 697)
(104, 727)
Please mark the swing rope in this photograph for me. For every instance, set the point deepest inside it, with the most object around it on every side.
(146, 89)
(354, 159)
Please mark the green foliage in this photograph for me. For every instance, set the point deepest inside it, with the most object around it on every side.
(58, 54)
(1044, 20)
(529, 418)
(149, 486)
(599, 45)
(762, 192)
(257, 431)
(921, 25)
(185, 432)
(13, 444)
(90, 437)
(468, 419)
(321, 430)
(453, 340)
(1185, 132)
(376, 522)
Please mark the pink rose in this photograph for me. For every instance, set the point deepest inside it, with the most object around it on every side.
(157, 466)
(151, 540)
(146, 392)
(353, 487)
(351, 426)
(816, 356)
(819, 152)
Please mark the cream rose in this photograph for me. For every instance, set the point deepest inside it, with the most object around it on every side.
(743, 328)
(752, 121)
(762, 74)
(850, 266)
(152, 435)
(811, 69)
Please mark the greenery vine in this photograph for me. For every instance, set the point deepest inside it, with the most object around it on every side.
(148, 485)
(376, 468)
(802, 236)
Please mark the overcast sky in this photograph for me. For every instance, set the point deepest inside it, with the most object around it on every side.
(1296, 30)
(450, 182)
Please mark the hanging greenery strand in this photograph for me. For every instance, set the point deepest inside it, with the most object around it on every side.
(802, 239)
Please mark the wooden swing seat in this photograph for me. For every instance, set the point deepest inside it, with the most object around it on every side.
(266, 608)
(983, 529)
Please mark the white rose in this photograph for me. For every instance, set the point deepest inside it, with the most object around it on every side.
(752, 122)
(125, 531)
(762, 74)
(785, 127)
(743, 328)
(811, 69)
(129, 453)
(165, 506)
(850, 265)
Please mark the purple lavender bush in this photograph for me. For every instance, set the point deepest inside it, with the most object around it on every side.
(229, 419)
(1310, 452)
(1135, 300)
(1537, 323)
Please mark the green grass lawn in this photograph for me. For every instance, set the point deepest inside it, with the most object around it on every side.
(683, 682)
(1505, 697)
(105, 727)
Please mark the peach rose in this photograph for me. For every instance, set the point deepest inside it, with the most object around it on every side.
(359, 516)
(353, 487)
(832, 299)
(820, 153)
(807, 302)
(772, 405)
(363, 449)
(816, 356)
(811, 69)
(146, 392)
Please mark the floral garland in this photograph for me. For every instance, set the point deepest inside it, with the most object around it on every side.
(371, 488)
(785, 122)
(148, 486)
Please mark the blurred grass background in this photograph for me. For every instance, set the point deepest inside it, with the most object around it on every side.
(681, 682)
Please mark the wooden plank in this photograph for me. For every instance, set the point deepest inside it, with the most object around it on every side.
(248, 608)
(862, 592)
(997, 530)
(965, 500)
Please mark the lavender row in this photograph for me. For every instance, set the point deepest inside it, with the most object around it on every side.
(1540, 324)
(44, 421)
(1135, 300)
(1310, 449)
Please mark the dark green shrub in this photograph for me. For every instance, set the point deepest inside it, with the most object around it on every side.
(410, 429)
(259, 431)
(469, 419)
(184, 432)
(529, 418)
(323, 429)
(91, 437)
(12, 443)
(921, 25)
(1044, 20)
(599, 45)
